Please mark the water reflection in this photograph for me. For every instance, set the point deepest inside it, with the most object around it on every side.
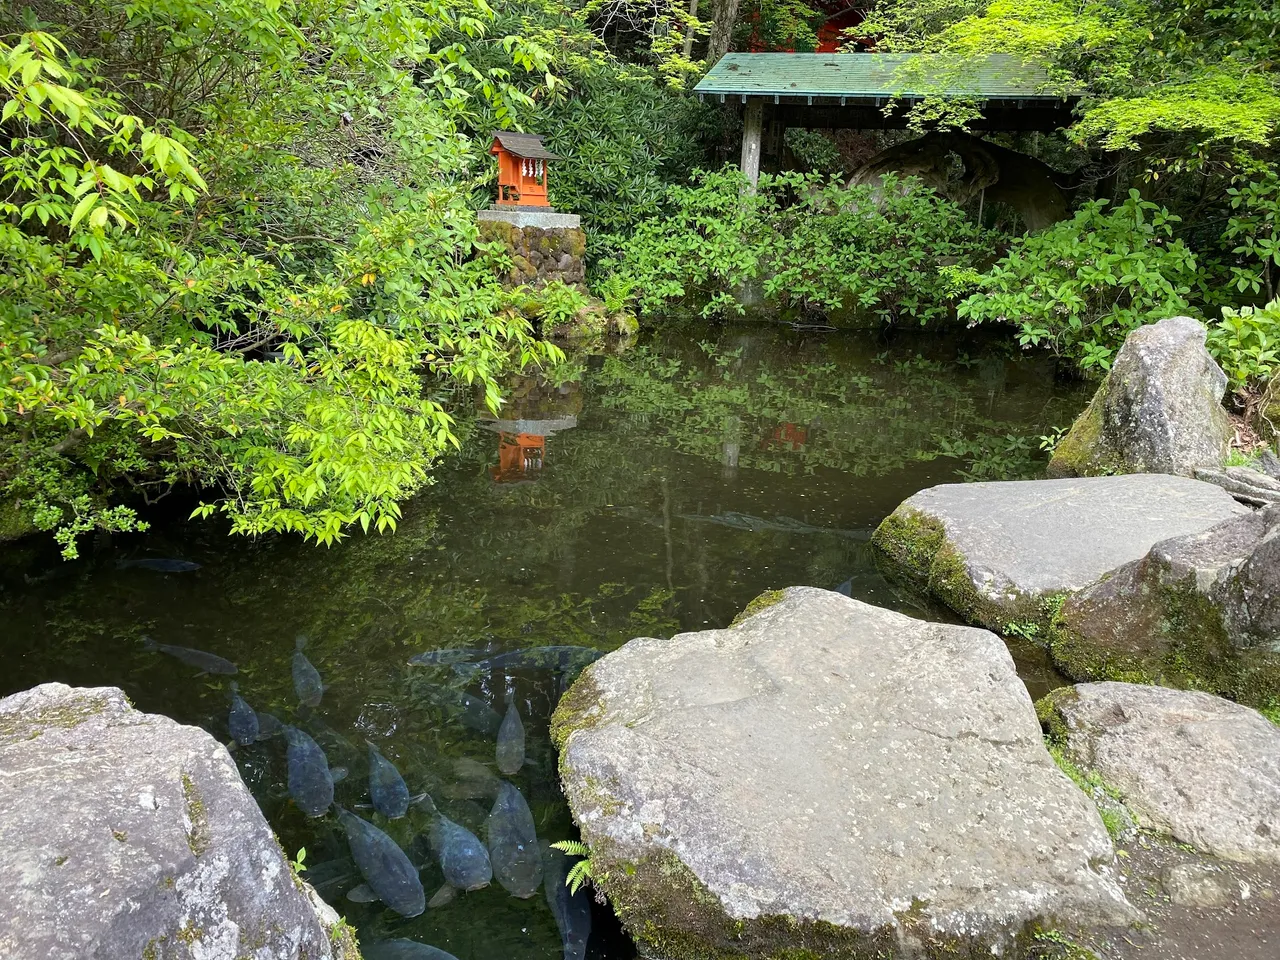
(673, 484)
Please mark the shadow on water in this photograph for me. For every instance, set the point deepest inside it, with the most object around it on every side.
(651, 492)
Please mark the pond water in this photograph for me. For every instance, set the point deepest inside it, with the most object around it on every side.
(651, 492)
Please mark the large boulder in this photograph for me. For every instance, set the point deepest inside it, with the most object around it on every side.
(126, 834)
(827, 778)
(995, 551)
(1201, 610)
(1159, 410)
(1202, 769)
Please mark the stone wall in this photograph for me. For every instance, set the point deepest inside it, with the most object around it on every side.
(539, 254)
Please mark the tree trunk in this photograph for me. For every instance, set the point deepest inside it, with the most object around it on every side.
(725, 15)
(688, 31)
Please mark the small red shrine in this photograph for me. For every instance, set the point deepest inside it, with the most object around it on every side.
(522, 170)
(519, 457)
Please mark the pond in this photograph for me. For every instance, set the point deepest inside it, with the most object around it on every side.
(652, 491)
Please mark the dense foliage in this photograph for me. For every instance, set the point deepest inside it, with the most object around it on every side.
(1081, 286)
(238, 253)
(894, 251)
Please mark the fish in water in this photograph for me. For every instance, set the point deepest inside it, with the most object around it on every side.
(571, 910)
(403, 950)
(562, 658)
(510, 750)
(513, 843)
(306, 678)
(242, 721)
(388, 874)
(442, 658)
(310, 780)
(464, 860)
(472, 712)
(206, 662)
(160, 565)
(268, 726)
(386, 787)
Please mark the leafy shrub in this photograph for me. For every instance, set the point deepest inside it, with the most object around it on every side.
(1246, 344)
(1082, 285)
(892, 251)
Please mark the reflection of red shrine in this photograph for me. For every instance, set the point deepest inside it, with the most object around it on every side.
(789, 436)
(519, 455)
(543, 410)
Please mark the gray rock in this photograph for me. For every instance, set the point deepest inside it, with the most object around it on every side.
(1250, 487)
(831, 777)
(992, 551)
(1200, 768)
(128, 835)
(1196, 885)
(1202, 610)
(1269, 464)
(1159, 410)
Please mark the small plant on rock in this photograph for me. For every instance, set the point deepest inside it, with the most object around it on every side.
(581, 871)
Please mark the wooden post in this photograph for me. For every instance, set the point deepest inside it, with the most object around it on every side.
(752, 133)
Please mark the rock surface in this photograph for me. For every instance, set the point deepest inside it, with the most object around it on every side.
(1202, 611)
(127, 835)
(1251, 487)
(1195, 885)
(992, 551)
(1159, 410)
(830, 777)
(1200, 768)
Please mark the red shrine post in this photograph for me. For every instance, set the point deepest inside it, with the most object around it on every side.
(522, 171)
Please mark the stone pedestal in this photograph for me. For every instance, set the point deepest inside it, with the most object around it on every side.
(543, 245)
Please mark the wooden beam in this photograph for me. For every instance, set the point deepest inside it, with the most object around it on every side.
(752, 134)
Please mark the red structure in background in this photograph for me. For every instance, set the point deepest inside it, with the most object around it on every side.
(522, 170)
(831, 37)
(789, 436)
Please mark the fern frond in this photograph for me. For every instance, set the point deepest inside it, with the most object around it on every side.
(578, 875)
(574, 848)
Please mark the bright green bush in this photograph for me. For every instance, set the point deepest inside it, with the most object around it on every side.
(1079, 287)
(892, 252)
(1246, 344)
(266, 288)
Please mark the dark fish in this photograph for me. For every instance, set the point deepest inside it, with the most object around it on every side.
(389, 875)
(206, 662)
(443, 658)
(269, 726)
(386, 787)
(242, 721)
(463, 858)
(160, 565)
(472, 712)
(403, 950)
(473, 779)
(572, 911)
(510, 750)
(306, 678)
(564, 659)
(310, 782)
(513, 843)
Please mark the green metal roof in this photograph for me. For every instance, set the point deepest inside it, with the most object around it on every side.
(865, 75)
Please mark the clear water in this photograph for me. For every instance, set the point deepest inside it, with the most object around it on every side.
(656, 491)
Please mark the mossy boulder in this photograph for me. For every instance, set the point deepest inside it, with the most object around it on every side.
(827, 779)
(1159, 410)
(999, 553)
(127, 835)
(1200, 611)
(1199, 768)
(1266, 419)
(15, 520)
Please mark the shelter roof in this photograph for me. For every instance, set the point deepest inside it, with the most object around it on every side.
(867, 75)
(526, 145)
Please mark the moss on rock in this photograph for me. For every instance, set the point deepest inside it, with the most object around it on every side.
(1049, 713)
(1081, 452)
(581, 708)
(763, 602)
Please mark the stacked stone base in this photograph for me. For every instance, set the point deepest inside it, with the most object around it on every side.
(542, 246)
